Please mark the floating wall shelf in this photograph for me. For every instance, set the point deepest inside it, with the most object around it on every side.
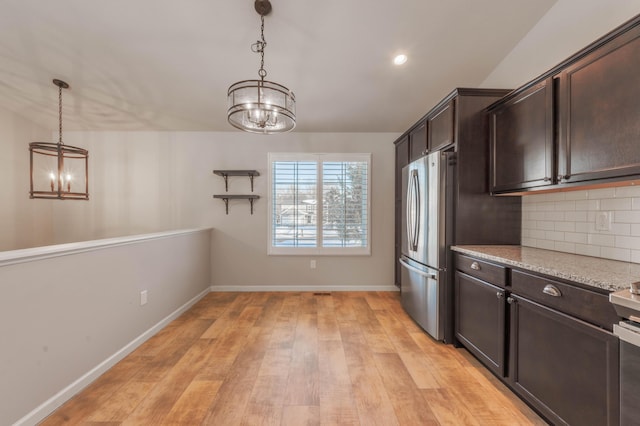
(226, 199)
(226, 173)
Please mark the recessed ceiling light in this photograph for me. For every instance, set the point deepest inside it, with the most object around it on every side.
(400, 59)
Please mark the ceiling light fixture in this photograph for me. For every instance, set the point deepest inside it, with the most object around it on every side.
(261, 106)
(400, 59)
(56, 167)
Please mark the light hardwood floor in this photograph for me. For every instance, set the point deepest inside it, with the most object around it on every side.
(295, 359)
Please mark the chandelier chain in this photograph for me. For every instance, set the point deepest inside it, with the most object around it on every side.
(261, 45)
(60, 115)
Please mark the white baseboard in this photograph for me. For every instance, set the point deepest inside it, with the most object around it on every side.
(50, 405)
(316, 288)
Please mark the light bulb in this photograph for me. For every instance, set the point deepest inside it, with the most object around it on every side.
(400, 59)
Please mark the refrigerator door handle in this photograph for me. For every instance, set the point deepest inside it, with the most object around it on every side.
(416, 232)
(409, 218)
(413, 211)
(416, 270)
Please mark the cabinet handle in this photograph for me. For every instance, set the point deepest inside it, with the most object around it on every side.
(475, 266)
(499, 295)
(551, 290)
(547, 179)
(511, 300)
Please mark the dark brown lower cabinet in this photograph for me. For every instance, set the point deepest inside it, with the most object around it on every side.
(564, 367)
(629, 384)
(480, 317)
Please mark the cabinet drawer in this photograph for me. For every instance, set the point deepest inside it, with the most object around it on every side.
(584, 304)
(494, 274)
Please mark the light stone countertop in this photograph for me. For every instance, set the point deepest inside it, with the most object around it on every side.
(611, 275)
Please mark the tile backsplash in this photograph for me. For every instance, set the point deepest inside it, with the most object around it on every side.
(596, 222)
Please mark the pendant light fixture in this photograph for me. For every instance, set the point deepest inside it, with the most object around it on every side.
(261, 106)
(59, 171)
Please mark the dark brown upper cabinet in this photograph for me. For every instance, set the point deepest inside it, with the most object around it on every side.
(402, 159)
(433, 133)
(418, 141)
(578, 124)
(441, 126)
(522, 140)
(599, 107)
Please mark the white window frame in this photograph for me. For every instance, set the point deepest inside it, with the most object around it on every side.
(319, 251)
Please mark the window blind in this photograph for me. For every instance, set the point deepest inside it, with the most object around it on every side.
(294, 203)
(319, 203)
(344, 202)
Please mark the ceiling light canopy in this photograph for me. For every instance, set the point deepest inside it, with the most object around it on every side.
(261, 106)
(58, 171)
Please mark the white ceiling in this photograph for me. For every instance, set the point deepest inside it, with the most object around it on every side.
(166, 65)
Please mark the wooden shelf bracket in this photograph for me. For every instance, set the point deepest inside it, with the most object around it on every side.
(226, 173)
(226, 198)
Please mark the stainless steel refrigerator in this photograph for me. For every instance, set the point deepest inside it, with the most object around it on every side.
(423, 259)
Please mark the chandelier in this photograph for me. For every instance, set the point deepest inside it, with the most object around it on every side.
(261, 106)
(58, 171)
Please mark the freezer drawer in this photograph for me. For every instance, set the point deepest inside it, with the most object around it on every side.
(420, 295)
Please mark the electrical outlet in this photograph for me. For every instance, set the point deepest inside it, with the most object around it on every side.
(603, 221)
(143, 297)
(312, 264)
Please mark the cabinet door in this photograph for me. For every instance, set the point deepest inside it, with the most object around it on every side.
(629, 383)
(398, 242)
(402, 159)
(418, 141)
(441, 127)
(564, 367)
(599, 106)
(479, 320)
(522, 140)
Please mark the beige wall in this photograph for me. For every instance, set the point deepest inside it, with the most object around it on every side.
(66, 319)
(152, 181)
(144, 182)
(568, 26)
(23, 222)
